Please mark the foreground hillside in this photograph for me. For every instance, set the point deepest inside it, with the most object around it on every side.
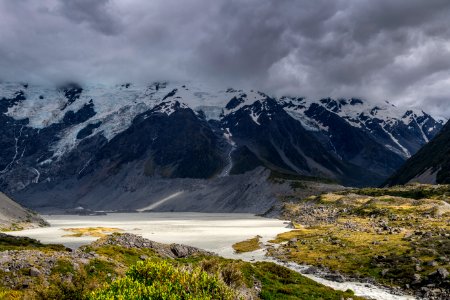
(15, 217)
(396, 236)
(125, 266)
(64, 147)
(430, 165)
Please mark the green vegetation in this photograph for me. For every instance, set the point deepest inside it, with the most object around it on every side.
(116, 272)
(162, 280)
(412, 191)
(63, 266)
(13, 227)
(247, 245)
(280, 283)
(126, 256)
(8, 242)
(398, 236)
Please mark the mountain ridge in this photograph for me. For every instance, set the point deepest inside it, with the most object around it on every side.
(431, 164)
(54, 137)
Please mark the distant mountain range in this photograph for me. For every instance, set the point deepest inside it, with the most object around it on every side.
(66, 144)
(431, 164)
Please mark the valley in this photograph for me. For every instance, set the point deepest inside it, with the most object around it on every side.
(224, 150)
(190, 165)
(214, 233)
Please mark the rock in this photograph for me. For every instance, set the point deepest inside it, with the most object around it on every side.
(180, 250)
(143, 257)
(432, 263)
(34, 272)
(443, 259)
(384, 272)
(335, 277)
(290, 225)
(129, 240)
(443, 273)
(311, 270)
(417, 279)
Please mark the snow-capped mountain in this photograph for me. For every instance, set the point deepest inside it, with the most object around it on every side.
(56, 140)
(377, 137)
(431, 164)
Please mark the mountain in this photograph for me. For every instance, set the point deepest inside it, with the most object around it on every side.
(378, 138)
(14, 216)
(142, 144)
(431, 164)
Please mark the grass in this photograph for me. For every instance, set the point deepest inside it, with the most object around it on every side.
(264, 280)
(14, 227)
(8, 242)
(63, 266)
(341, 251)
(413, 191)
(249, 245)
(91, 231)
(119, 271)
(390, 235)
(281, 283)
(126, 256)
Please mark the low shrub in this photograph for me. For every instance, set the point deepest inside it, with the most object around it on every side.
(162, 280)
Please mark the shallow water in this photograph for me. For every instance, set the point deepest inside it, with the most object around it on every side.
(209, 231)
(215, 232)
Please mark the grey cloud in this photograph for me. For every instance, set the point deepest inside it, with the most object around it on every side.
(381, 50)
(98, 14)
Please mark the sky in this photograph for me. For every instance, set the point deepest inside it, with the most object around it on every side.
(376, 50)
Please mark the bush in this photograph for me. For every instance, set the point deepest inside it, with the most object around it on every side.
(161, 280)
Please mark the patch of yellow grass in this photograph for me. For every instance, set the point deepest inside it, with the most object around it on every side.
(330, 197)
(247, 245)
(91, 231)
(340, 249)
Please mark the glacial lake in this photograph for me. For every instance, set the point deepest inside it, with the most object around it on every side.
(214, 232)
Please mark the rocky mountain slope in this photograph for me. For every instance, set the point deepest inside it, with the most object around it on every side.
(71, 144)
(430, 165)
(15, 217)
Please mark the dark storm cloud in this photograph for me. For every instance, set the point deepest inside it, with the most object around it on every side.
(381, 50)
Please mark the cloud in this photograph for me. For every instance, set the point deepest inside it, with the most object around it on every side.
(380, 50)
(99, 14)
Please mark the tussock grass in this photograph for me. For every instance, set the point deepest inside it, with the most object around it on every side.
(91, 231)
(249, 245)
(392, 235)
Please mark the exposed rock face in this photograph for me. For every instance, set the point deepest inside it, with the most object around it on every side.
(430, 165)
(280, 142)
(179, 145)
(14, 216)
(128, 240)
